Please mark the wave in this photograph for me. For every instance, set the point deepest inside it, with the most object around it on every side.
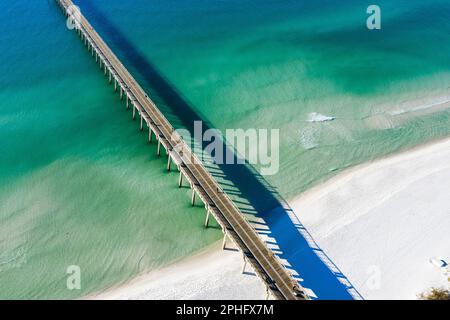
(383, 118)
(318, 117)
(415, 108)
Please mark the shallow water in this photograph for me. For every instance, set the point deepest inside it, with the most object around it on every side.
(80, 185)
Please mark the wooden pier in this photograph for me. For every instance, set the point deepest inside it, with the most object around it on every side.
(278, 280)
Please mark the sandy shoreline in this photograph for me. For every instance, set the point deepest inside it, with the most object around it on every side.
(380, 223)
(211, 274)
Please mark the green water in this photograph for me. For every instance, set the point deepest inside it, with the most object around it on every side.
(274, 67)
(80, 185)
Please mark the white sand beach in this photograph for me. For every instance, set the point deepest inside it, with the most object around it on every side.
(380, 223)
(211, 274)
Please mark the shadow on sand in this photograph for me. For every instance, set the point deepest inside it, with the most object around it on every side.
(268, 211)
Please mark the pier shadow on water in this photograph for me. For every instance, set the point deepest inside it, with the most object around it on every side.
(268, 211)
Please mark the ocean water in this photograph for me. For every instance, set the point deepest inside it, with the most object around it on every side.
(80, 185)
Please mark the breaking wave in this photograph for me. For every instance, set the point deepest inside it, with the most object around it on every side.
(318, 117)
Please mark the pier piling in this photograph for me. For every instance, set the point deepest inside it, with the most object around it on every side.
(193, 197)
(207, 218)
(169, 162)
(245, 263)
(180, 180)
(224, 242)
(158, 151)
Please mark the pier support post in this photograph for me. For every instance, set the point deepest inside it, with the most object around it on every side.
(134, 112)
(150, 135)
(169, 162)
(224, 242)
(105, 69)
(142, 122)
(245, 263)
(121, 93)
(115, 85)
(128, 101)
(158, 152)
(207, 217)
(193, 197)
(110, 77)
(180, 180)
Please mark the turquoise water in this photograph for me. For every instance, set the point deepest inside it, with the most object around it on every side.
(79, 183)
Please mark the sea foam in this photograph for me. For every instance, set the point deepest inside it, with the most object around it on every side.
(318, 117)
